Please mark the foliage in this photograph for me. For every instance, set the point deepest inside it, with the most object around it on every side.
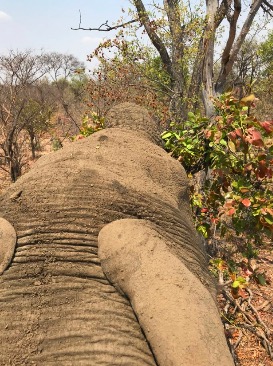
(129, 49)
(91, 123)
(235, 151)
(237, 275)
(125, 77)
(56, 143)
(36, 119)
(184, 36)
(264, 84)
(32, 87)
(266, 54)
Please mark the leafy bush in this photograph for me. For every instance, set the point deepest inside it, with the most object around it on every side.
(234, 149)
(91, 123)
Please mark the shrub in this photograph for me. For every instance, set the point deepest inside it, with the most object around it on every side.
(234, 149)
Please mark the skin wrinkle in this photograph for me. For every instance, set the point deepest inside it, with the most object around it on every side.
(65, 200)
(159, 281)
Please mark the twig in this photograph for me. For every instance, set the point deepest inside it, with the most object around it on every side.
(255, 325)
(104, 27)
(236, 344)
(263, 305)
(260, 334)
(254, 310)
(267, 7)
(236, 305)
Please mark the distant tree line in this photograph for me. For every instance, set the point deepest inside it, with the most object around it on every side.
(33, 87)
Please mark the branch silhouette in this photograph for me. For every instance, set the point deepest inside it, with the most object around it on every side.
(104, 27)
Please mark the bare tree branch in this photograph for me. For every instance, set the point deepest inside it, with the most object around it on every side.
(231, 57)
(106, 28)
(157, 42)
(232, 31)
(222, 12)
(267, 8)
(265, 2)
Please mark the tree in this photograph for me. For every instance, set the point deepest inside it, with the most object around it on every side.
(264, 84)
(27, 101)
(183, 30)
(36, 118)
(121, 79)
(203, 70)
(19, 71)
(67, 75)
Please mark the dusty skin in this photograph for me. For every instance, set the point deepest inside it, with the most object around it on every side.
(7, 244)
(176, 312)
(152, 303)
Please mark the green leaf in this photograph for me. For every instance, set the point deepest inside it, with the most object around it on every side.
(223, 142)
(261, 279)
(268, 220)
(241, 279)
(239, 282)
(165, 135)
(236, 284)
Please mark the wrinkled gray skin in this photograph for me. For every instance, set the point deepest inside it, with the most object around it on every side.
(106, 268)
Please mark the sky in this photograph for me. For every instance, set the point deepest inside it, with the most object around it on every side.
(46, 24)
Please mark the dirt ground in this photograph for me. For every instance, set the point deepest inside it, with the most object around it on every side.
(255, 343)
(250, 331)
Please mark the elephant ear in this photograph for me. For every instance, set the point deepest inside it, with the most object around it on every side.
(7, 244)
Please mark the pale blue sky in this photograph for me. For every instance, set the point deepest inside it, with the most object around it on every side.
(45, 24)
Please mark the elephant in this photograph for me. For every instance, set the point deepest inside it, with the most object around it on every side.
(100, 262)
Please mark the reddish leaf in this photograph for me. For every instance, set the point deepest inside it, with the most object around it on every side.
(217, 136)
(208, 133)
(248, 167)
(269, 210)
(262, 170)
(246, 202)
(229, 204)
(238, 144)
(231, 211)
(238, 292)
(267, 126)
(254, 137)
(239, 132)
(232, 135)
(214, 220)
(269, 173)
(242, 293)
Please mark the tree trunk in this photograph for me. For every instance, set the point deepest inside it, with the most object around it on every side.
(233, 47)
(208, 91)
(15, 169)
(32, 143)
(12, 153)
(178, 104)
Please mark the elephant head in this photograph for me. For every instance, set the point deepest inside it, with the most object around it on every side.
(100, 261)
